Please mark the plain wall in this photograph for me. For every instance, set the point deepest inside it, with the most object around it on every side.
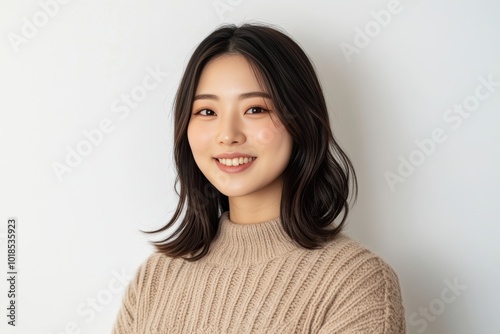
(394, 84)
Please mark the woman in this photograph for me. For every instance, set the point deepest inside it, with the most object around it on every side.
(262, 181)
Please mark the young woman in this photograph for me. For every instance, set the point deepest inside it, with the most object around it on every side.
(265, 192)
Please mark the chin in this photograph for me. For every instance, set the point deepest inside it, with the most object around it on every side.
(236, 192)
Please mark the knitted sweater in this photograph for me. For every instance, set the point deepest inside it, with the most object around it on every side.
(255, 279)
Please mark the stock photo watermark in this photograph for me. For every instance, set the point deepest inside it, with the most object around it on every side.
(453, 117)
(437, 306)
(89, 309)
(12, 271)
(223, 6)
(95, 304)
(363, 36)
(30, 27)
(122, 107)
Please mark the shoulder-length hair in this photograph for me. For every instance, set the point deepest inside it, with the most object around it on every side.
(319, 177)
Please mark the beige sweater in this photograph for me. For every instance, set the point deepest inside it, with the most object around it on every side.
(256, 280)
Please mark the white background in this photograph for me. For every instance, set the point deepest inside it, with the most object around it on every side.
(78, 233)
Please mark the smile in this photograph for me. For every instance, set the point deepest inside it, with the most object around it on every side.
(235, 161)
(238, 165)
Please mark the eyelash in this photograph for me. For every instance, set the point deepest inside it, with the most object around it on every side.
(252, 107)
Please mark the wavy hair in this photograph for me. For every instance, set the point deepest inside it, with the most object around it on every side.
(319, 178)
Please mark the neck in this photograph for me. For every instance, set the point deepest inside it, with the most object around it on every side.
(243, 244)
(259, 206)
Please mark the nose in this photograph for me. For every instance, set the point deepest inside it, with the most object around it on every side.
(230, 131)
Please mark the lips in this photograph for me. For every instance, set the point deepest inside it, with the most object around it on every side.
(234, 169)
(235, 161)
(232, 155)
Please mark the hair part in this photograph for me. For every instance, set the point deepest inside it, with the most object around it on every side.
(319, 178)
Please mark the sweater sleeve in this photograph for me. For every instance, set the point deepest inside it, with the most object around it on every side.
(127, 315)
(369, 301)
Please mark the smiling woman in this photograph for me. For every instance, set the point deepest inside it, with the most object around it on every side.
(266, 191)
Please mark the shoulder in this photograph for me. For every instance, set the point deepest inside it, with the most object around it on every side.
(151, 271)
(155, 260)
(356, 265)
(363, 283)
(355, 258)
(151, 264)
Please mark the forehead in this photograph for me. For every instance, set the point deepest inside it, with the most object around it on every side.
(229, 72)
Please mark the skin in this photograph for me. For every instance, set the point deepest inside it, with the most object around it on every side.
(226, 122)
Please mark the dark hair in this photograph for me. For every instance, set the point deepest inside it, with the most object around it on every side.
(317, 180)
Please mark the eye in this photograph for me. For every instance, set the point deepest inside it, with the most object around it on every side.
(256, 110)
(205, 112)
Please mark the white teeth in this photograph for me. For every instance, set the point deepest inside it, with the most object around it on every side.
(235, 161)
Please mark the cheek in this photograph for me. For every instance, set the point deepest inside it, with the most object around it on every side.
(198, 138)
(270, 137)
(265, 136)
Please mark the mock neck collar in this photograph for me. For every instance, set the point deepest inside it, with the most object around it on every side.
(242, 244)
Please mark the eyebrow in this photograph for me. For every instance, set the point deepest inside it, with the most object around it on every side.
(241, 97)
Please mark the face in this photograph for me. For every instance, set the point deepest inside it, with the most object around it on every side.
(231, 113)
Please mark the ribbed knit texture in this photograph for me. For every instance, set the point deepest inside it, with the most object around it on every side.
(255, 279)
